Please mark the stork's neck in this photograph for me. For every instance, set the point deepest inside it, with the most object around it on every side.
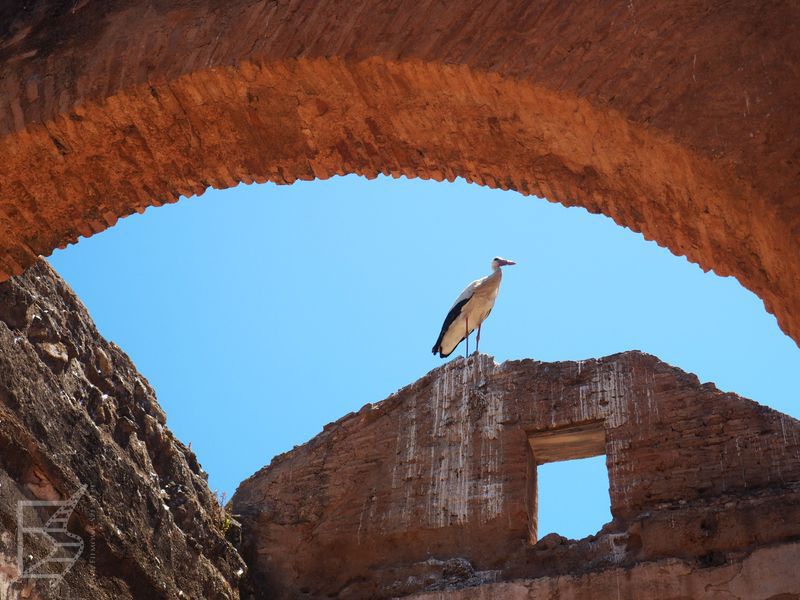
(497, 273)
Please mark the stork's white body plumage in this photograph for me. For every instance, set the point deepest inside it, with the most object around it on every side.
(470, 310)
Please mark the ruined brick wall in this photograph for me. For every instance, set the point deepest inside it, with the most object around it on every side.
(383, 501)
(75, 412)
(768, 573)
(673, 118)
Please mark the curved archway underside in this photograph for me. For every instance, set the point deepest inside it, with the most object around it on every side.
(678, 120)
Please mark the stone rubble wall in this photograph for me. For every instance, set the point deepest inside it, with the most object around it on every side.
(75, 412)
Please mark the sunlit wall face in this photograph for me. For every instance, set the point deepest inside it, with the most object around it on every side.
(261, 313)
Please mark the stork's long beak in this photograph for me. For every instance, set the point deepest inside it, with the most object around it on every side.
(504, 262)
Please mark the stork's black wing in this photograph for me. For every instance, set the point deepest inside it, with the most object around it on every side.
(448, 320)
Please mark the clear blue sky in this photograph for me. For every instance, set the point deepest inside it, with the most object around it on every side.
(261, 313)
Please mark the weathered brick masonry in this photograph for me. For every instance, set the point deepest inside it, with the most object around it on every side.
(436, 484)
(75, 412)
(676, 119)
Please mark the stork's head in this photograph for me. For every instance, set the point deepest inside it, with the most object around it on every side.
(498, 262)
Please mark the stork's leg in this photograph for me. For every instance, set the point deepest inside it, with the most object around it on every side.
(466, 320)
(478, 340)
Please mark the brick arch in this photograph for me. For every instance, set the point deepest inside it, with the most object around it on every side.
(680, 120)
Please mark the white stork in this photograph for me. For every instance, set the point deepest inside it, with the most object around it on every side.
(470, 310)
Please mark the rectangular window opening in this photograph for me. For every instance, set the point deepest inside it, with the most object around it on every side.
(568, 492)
